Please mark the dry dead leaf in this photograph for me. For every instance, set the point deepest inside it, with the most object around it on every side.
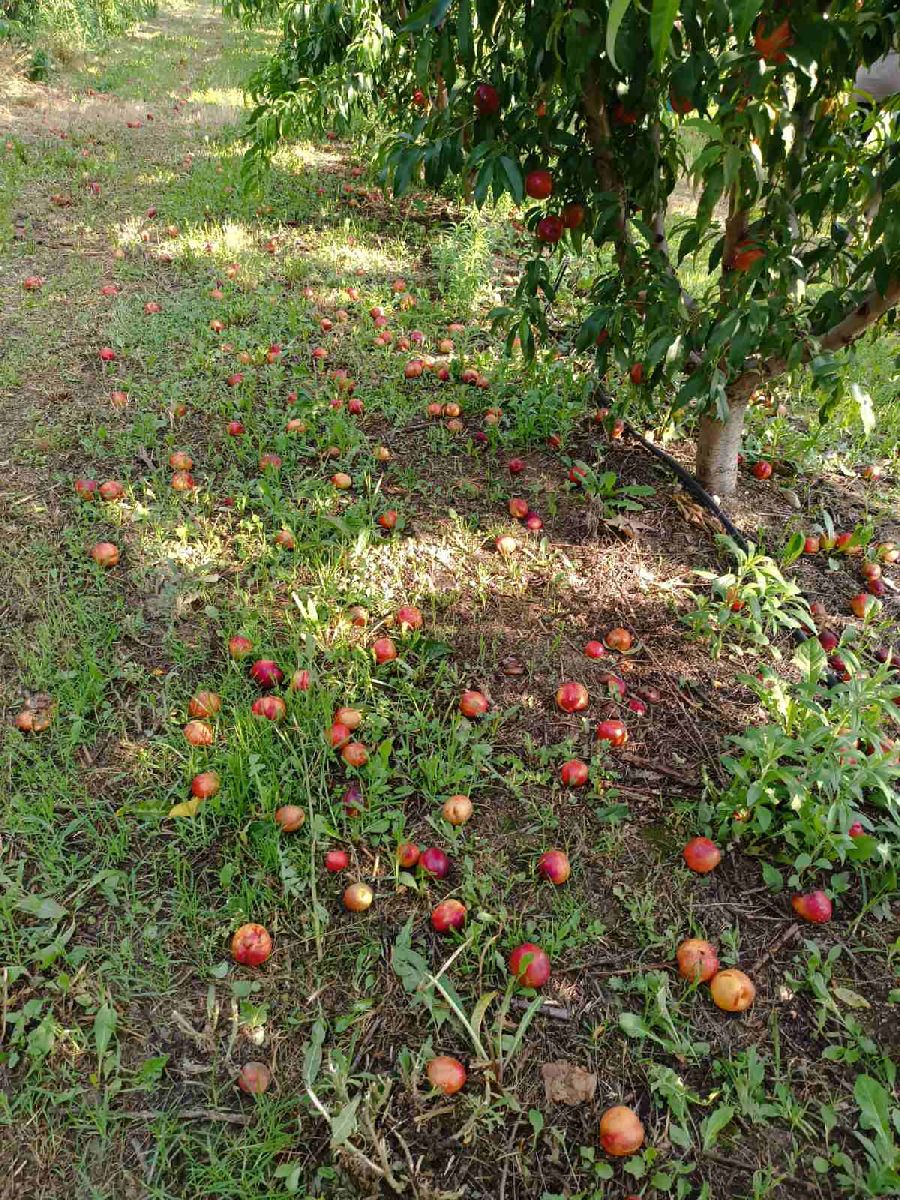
(187, 808)
(567, 1083)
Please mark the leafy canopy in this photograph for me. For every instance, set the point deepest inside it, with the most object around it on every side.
(795, 215)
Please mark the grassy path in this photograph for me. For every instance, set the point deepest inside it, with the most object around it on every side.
(123, 1021)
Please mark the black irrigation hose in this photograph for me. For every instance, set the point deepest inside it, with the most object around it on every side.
(690, 483)
(705, 499)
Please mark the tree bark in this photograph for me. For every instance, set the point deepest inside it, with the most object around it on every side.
(719, 441)
(718, 444)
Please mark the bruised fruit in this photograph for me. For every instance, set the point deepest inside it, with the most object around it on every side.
(251, 945)
(289, 817)
(446, 1074)
(254, 1078)
(697, 960)
(702, 855)
(812, 906)
(621, 1131)
(448, 915)
(732, 990)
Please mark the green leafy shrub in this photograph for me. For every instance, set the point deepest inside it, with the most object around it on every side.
(824, 762)
(749, 605)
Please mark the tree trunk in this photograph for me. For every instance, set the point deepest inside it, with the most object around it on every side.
(718, 444)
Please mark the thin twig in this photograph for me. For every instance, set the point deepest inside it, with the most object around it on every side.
(189, 1114)
(780, 942)
(556, 1012)
(658, 769)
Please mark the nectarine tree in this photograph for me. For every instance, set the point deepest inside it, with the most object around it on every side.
(577, 112)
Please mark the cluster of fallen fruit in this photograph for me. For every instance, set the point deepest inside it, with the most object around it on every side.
(621, 1131)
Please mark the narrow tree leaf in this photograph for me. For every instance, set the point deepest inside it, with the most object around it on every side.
(104, 1027)
(662, 18)
(464, 31)
(744, 13)
(617, 11)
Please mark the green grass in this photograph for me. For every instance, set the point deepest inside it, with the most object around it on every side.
(125, 1020)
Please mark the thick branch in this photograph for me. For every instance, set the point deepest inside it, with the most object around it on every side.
(735, 231)
(873, 306)
(599, 134)
(657, 222)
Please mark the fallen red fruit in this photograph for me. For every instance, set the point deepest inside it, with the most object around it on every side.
(251, 945)
(384, 650)
(358, 897)
(446, 1074)
(761, 470)
(409, 618)
(574, 773)
(595, 650)
(87, 489)
(266, 673)
(621, 1131)
(273, 708)
(697, 960)
(732, 991)
(351, 717)
(407, 855)
(289, 817)
(105, 554)
(457, 810)
(572, 697)
(198, 733)
(828, 640)
(254, 1078)
(239, 646)
(612, 731)
(448, 915)
(555, 866)
(434, 862)
(355, 754)
(205, 785)
(619, 639)
(473, 704)
(336, 861)
(702, 855)
(515, 466)
(204, 704)
(530, 965)
(812, 906)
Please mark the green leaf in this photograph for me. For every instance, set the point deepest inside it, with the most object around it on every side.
(513, 173)
(874, 1108)
(772, 878)
(464, 31)
(105, 1022)
(617, 11)
(343, 1126)
(42, 907)
(849, 998)
(793, 549)
(662, 18)
(312, 1055)
(632, 1025)
(744, 13)
(715, 1123)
